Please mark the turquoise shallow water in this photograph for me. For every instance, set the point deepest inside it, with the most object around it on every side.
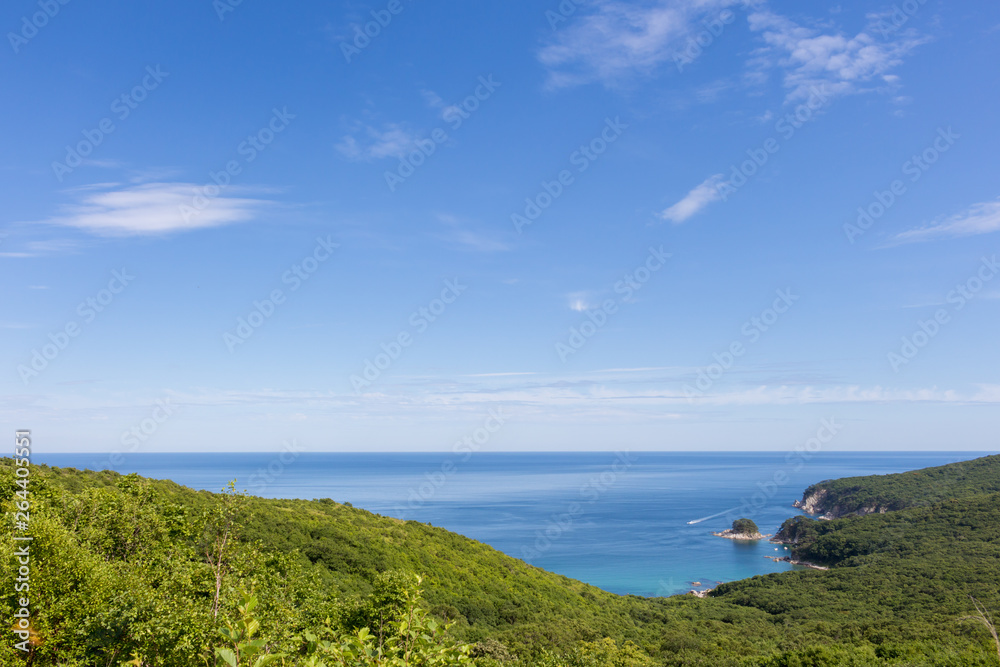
(615, 520)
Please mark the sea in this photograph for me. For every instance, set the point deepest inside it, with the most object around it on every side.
(636, 523)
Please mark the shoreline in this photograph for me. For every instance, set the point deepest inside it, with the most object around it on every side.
(730, 535)
(790, 560)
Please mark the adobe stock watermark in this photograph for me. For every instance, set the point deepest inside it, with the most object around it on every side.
(137, 435)
(696, 45)
(365, 33)
(462, 451)
(294, 277)
(31, 25)
(582, 158)
(752, 330)
(267, 475)
(88, 310)
(562, 12)
(455, 115)
(795, 460)
(590, 492)
(928, 329)
(420, 320)
(122, 107)
(21, 625)
(597, 318)
(891, 22)
(915, 168)
(786, 128)
(223, 7)
(248, 150)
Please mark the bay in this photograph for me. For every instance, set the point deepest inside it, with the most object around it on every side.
(621, 521)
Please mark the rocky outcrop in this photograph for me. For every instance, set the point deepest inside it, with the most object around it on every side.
(817, 500)
(730, 534)
(812, 501)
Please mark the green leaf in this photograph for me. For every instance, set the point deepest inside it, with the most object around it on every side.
(255, 645)
(227, 655)
(264, 660)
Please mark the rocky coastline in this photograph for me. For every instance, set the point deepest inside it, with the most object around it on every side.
(816, 500)
(789, 559)
(812, 501)
(730, 534)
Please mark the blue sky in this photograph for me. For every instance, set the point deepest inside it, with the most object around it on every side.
(668, 225)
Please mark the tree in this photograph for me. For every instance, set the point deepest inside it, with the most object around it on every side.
(745, 527)
(983, 617)
(219, 537)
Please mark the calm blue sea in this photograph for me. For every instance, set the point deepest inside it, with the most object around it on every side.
(618, 521)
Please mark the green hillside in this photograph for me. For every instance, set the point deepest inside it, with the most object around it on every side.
(881, 493)
(132, 571)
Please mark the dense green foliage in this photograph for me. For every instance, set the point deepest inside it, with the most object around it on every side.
(896, 576)
(745, 527)
(141, 572)
(881, 493)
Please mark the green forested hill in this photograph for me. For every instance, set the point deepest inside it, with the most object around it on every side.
(905, 573)
(126, 571)
(880, 493)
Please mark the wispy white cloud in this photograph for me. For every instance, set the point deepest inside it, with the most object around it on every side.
(834, 63)
(643, 369)
(620, 39)
(103, 164)
(369, 143)
(154, 174)
(468, 235)
(712, 92)
(44, 248)
(445, 111)
(696, 200)
(567, 404)
(432, 99)
(796, 395)
(152, 209)
(977, 219)
(553, 397)
(580, 301)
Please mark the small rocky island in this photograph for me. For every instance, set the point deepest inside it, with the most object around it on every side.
(743, 529)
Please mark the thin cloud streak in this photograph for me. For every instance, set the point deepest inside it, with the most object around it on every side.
(982, 218)
(695, 200)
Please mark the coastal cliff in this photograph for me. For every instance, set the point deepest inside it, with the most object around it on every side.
(818, 500)
(878, 494)
(812, 500)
